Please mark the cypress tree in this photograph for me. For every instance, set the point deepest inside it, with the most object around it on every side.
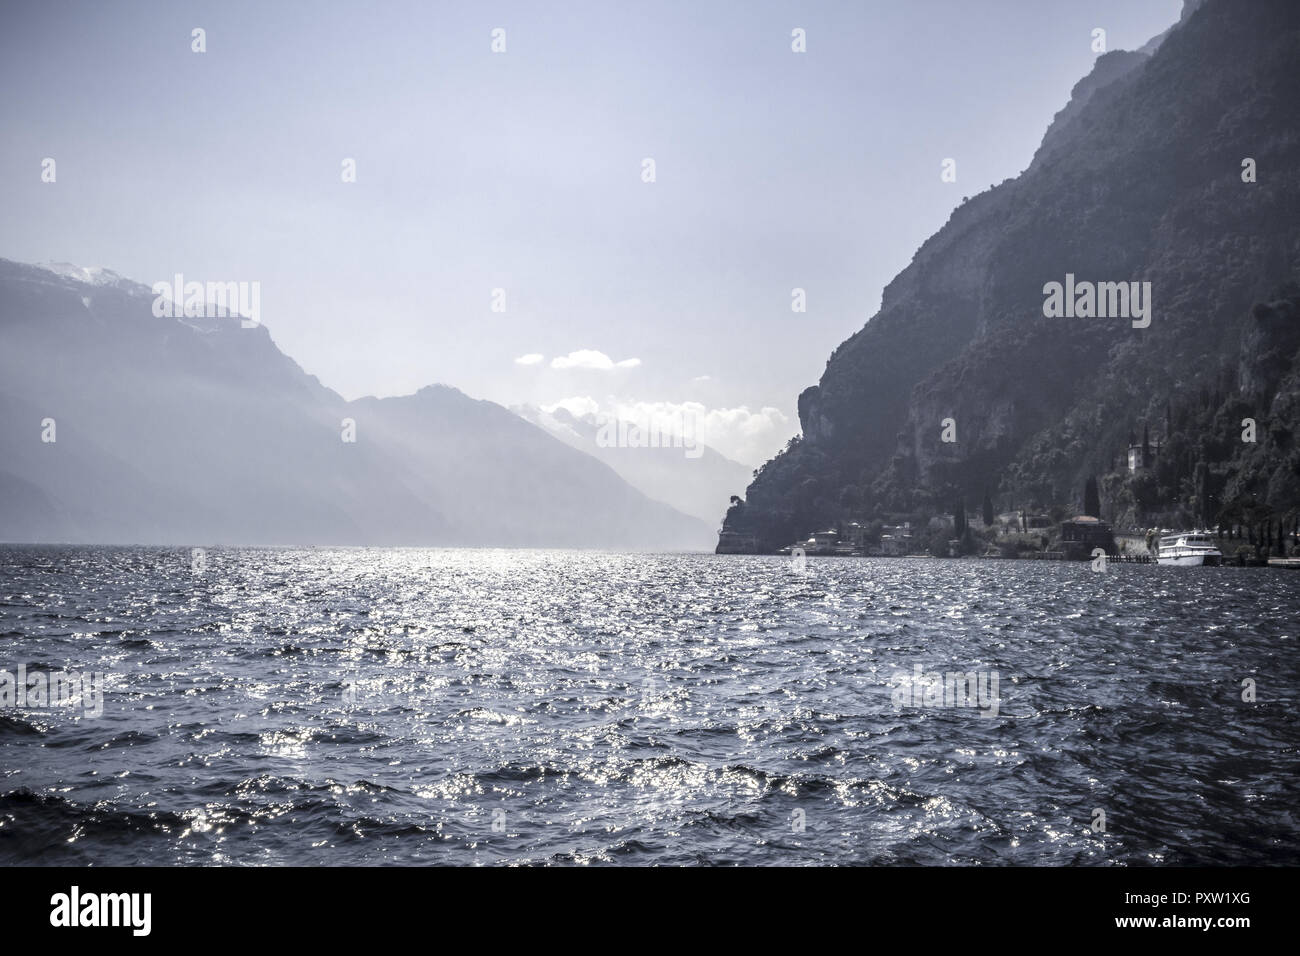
(1203, 491)
(1091, 498)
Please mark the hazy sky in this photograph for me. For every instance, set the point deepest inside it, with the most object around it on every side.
(522, 170)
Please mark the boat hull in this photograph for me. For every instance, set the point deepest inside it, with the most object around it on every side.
(1190, 560)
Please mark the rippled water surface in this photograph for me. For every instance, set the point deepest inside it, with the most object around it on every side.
(341, 707)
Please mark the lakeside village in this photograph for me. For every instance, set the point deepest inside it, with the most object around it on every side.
(1057, 535)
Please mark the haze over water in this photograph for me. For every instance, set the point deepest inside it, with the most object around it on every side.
(339, 707)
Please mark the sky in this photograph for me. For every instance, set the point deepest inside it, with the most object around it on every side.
(524, 171)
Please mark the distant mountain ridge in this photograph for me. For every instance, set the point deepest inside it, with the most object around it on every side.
(189, 431)
(697, 484)
(1138, 178)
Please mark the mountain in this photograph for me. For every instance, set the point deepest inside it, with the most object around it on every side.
(192, 430)
(1139, 178)
(698, 483)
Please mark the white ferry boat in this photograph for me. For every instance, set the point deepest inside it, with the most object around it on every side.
(1187, 548)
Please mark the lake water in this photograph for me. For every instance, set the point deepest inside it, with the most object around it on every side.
(352, 706)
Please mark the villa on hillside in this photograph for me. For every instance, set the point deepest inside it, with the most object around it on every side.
(1141, 457)
(854, 535)
(896, 539)
(825, 542)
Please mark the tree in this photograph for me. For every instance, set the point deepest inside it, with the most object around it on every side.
(988, 509)
(1146, 446)
(1091, 498)
(938, 544)
(959, 519)
(1203, 493)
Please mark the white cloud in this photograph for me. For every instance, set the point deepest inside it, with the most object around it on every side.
(591, 359)
(532, 358)
(578, 406)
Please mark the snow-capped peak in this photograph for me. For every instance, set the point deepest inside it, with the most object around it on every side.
(91, 275)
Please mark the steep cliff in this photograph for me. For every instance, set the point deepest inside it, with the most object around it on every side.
(1139, 179)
